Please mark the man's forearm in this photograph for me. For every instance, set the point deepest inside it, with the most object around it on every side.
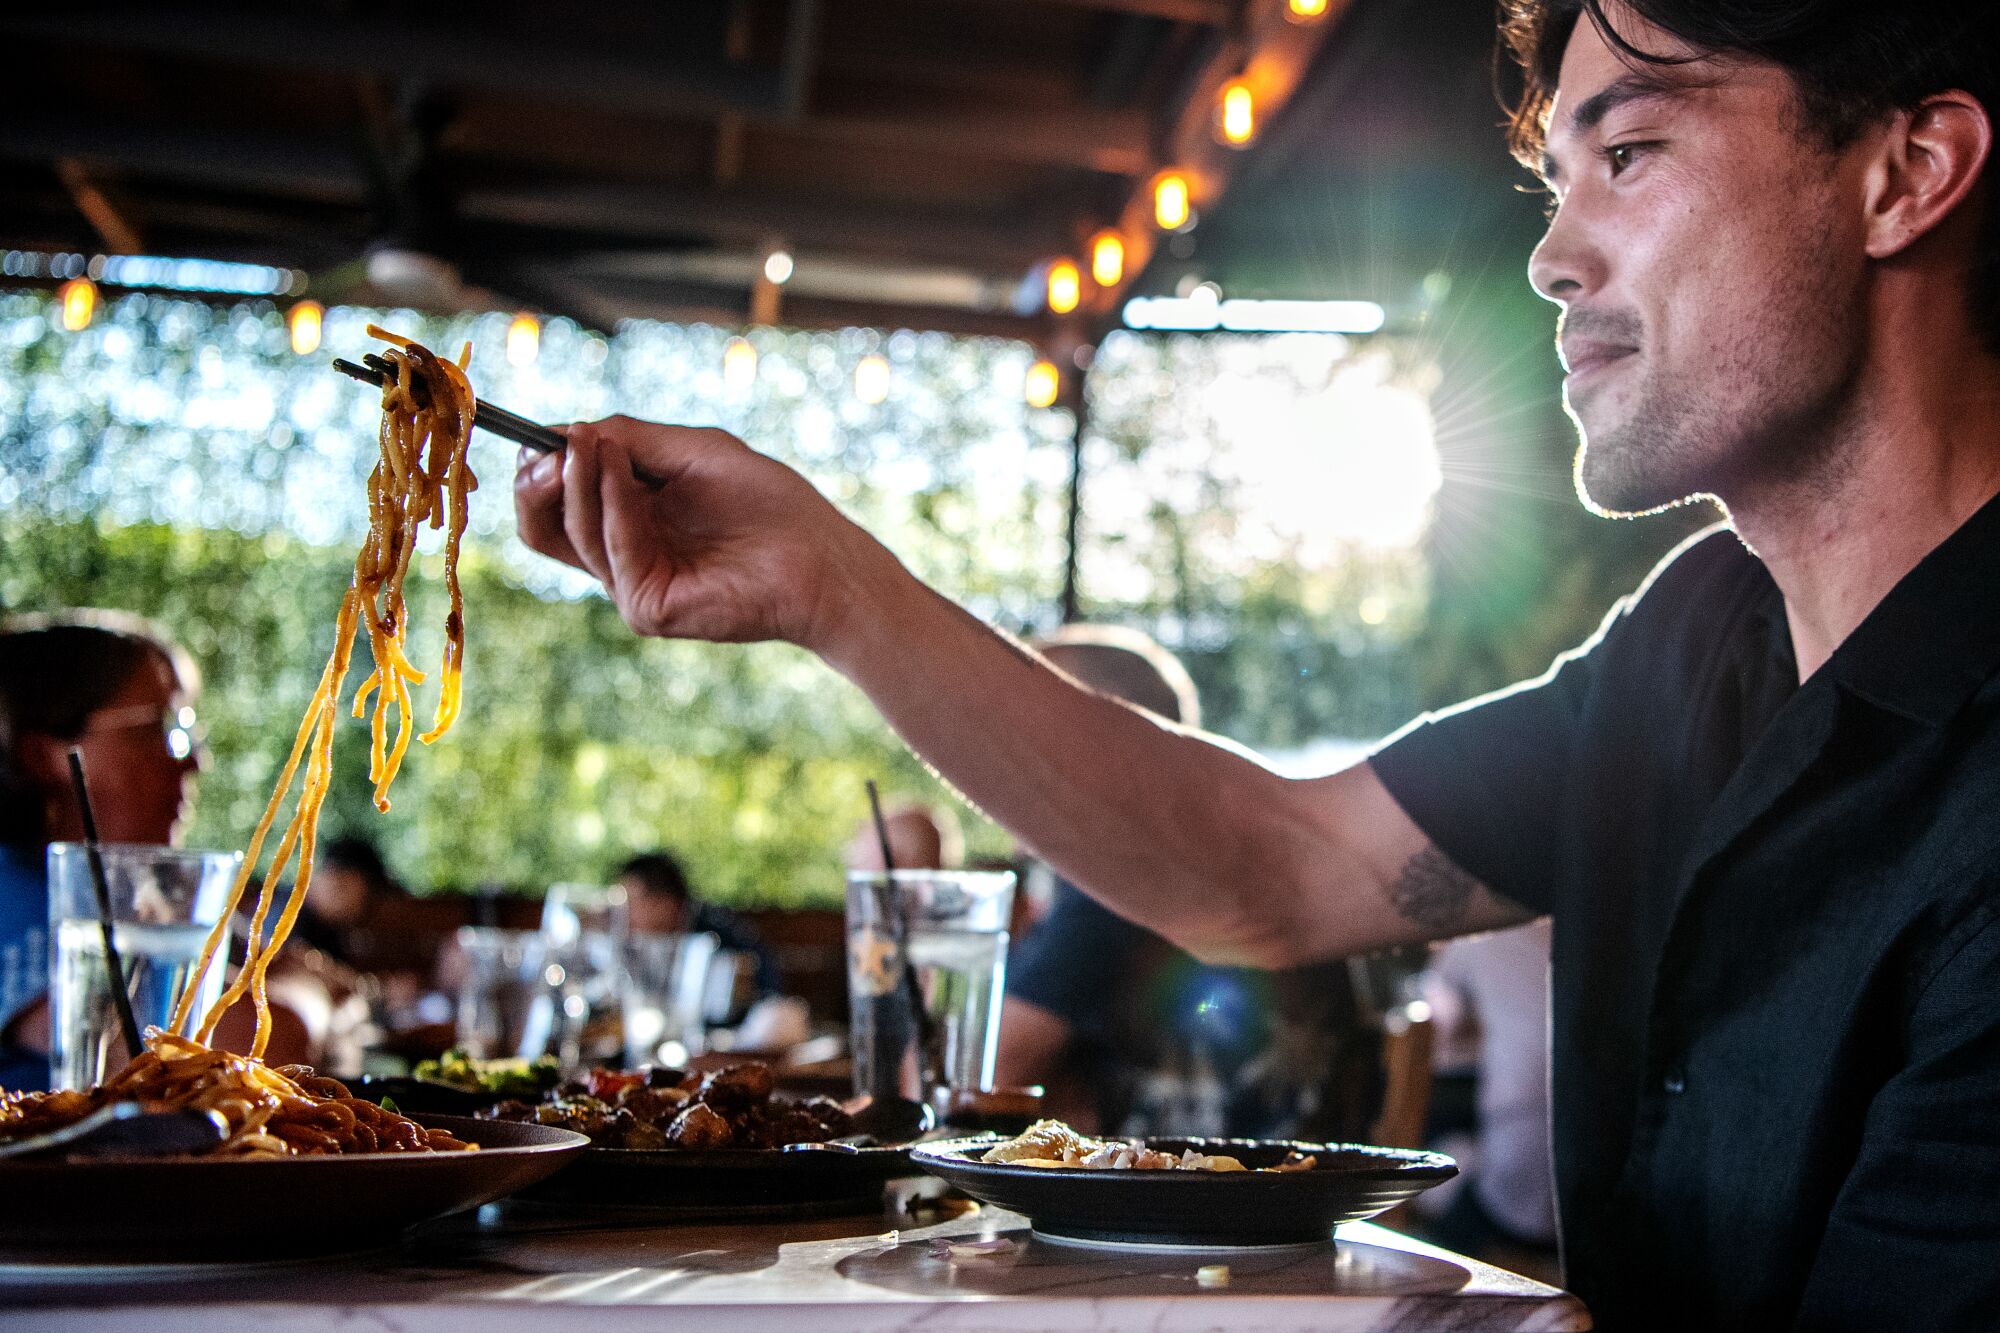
(1172, 829)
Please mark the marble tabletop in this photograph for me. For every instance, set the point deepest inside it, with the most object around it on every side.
(520, 1266)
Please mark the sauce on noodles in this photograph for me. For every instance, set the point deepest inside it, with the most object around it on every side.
(420, 477)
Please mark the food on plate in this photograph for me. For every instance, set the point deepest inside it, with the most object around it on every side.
(457, 1068)
(270, 1112)
(664, 1108)
(420, 475)
(1051, 1143)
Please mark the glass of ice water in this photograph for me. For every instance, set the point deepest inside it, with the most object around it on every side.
(926, 966)
(164, 901)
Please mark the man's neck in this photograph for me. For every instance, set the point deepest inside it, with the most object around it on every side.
(1905, 471)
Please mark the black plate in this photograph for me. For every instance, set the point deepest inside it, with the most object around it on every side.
(728, 1182)
(231, 1207)
(1196, 1208)
(428, 1096)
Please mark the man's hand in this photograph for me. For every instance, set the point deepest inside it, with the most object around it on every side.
(719, 543)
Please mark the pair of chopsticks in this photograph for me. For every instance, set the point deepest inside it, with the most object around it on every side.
(507, 425)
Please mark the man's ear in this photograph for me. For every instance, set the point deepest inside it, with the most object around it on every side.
(1932, 157)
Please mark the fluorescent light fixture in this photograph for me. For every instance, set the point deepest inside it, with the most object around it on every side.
(1199, 313)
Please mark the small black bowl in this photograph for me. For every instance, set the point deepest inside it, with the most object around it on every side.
(1197, 1209)
(415, 1096)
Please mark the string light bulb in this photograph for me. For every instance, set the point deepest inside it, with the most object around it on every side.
(1236, 114)
(78, 299)
(871, 379)
(778, 267)
(1042, 385)
(524, 340)
(306, 321)
(1170, 201)
(739, 365)
(1065, 287)
(1107, 259)
(1305, 11)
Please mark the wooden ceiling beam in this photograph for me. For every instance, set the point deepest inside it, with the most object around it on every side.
(1211, 13)
(112, 222)
(390, 43)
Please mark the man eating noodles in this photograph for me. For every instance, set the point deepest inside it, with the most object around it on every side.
(1762, 803)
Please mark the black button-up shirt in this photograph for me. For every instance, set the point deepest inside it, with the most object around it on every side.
(1776, 1001)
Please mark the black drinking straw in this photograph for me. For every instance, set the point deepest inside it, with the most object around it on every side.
(900, 920)
(102, 888)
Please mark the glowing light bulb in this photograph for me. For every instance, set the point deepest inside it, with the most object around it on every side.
(871, 379)
(78, 298)
(1236, 120)
(778, 267)
(1305, 11)
(1065, 287)
(739, 365)
(1170, 201)
(1044, 382)
(524, 340)
(1107, 258)
(305, 320)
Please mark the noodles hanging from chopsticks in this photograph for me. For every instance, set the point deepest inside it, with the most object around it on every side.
(421, 475)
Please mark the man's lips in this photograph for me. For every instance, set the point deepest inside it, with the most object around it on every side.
(1583, 358)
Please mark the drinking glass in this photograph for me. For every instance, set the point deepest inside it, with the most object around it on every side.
(926, 965)
(164, 901)
(666, 988)
(504, 975)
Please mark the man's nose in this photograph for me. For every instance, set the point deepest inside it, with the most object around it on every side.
(1566, 264)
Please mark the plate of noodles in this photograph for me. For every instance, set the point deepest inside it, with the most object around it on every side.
(1193, 1193)
(305, 1168)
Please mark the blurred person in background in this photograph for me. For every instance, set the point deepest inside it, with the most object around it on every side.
(922, 836)
(1131, 1035)
(659, 901)
(1489, 996)
(121, 691)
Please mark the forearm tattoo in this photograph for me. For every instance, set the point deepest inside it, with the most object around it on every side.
(1432, 891)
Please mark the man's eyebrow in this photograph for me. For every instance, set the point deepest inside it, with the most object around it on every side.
(1636, 86)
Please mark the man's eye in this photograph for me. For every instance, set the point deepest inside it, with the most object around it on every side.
(1622, 156)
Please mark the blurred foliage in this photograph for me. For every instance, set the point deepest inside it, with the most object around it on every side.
(177, 459)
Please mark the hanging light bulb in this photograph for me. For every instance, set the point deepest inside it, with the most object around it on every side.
(305, 321)
(78, 298)
(1107, 258)
(1170, 201)
(524, 340)
(1305, 11)
(778, 267)
(739, 365)
(1065, 286)
(1044, 382)
(1236, 114)
(871, 379)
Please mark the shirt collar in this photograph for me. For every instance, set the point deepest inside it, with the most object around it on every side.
(1935, 639)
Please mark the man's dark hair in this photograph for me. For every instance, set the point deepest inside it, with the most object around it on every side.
(1852, 62)
(658, 874)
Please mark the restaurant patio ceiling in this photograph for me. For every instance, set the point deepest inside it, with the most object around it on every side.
(924, 163)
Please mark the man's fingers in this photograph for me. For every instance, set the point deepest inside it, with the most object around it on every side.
(583, 505)
(633, 543)
(538, 502)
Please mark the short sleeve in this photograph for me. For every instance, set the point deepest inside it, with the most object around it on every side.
(1069, 963)
(1485, 780)
(1494, 782)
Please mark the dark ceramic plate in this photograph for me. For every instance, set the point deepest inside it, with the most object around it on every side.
(728, 1182)
(1196, 1208)
(230, 1208)
(424, 1096)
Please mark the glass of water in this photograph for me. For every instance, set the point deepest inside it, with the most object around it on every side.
(926, 965)
(163, 903)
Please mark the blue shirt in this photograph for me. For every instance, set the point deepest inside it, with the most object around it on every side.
(24, 959)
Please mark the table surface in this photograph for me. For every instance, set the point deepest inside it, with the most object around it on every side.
(519, 1266)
